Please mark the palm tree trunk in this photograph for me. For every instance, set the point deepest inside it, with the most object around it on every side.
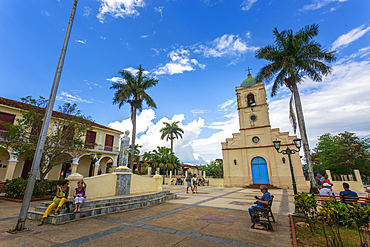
(302, 130)
(171, 143)
(133, 118)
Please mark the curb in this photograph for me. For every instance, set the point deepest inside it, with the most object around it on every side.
(20, 201)
(294, 237)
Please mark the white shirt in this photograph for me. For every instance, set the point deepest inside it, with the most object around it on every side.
(326, 192)
(194, 179)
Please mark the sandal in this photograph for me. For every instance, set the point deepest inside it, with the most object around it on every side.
(40, 223)
(78, 211)
(56, 213)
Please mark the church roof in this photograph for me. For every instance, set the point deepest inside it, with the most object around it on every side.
(250, 81)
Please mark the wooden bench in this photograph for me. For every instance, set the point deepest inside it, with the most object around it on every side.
(265, 213)
(342, 199)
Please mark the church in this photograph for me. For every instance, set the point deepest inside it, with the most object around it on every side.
(249, 156)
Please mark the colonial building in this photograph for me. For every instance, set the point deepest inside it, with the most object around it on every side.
(101, 153)
(249, 156)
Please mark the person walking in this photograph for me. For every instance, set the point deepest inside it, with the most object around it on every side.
(195, 184)
(188, 183)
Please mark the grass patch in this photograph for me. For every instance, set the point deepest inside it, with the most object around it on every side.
(305, 237)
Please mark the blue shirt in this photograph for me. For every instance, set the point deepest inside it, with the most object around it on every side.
(264, 198)
(348, 193)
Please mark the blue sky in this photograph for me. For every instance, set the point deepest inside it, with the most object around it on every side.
(198, 50)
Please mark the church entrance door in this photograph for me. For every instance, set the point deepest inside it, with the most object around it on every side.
(259, 171)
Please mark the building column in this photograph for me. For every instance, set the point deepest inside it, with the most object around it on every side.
(157, 171)
(170, 174)
(186, 173)
(12, 162)
(74, 165)
(204, 174)
(96, 168)
(149, 170)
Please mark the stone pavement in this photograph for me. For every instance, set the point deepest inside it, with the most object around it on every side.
(216, 216)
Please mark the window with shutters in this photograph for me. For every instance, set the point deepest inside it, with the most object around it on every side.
(90, 139)
(6, 118)
(108, 143)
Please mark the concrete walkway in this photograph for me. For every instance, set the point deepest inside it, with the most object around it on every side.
(215, 217)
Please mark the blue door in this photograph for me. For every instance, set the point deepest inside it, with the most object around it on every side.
(259, 171)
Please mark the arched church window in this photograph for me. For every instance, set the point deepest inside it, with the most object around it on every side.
(250, 100)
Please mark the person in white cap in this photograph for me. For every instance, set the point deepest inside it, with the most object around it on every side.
(326, 191)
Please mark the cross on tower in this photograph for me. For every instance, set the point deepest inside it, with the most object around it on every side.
(249, 70)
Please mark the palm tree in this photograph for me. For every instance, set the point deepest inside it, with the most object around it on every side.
(292, 58)
(171, 131)
(133, 91)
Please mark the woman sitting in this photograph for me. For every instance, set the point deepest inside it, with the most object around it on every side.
(59, 200)
(79, 195)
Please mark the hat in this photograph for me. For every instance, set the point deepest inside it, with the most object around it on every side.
(326, 185)
(318, 174)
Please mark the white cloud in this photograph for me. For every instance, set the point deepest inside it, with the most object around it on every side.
(103, 38)
(318, 4)
(226, 45)
(150, 137)
(156, 52)
(144, 36)
(180, 62)
(87, 11)
(134, 71)
(198, 111)
(247, 4)
(66, 97)
(119, 8)
(116, 79)
(81, 41)
(347, 38)
(223, 106)
(45, 13)
(159, 10)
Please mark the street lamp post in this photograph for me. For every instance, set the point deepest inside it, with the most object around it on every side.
(93, 161)
(289, 152)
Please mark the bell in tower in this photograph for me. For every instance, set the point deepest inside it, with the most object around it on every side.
(250, 100)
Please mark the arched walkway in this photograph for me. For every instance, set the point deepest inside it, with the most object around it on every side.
(105, 164)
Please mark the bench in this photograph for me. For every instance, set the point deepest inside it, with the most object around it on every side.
(265, 214)
(173, 182)
(342, 199)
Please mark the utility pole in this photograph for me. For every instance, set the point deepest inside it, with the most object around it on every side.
(21, 224)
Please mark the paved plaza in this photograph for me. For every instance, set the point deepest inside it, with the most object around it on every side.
(216, 216)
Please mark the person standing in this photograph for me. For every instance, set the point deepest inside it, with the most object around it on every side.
(318, 181)
(195, 184)
(188, 183)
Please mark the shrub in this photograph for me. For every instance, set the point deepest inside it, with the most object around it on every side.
(306, 205)
(16, 188)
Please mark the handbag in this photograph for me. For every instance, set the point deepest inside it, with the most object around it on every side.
(61, 193)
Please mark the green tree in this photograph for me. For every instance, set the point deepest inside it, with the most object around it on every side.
(214, 169)
(171, 131)
(162, 158)
(293, 57)
(343, 152)
(136, 154)
(62, 143)
(132, 91)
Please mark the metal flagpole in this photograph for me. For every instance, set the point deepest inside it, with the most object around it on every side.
(41, 142)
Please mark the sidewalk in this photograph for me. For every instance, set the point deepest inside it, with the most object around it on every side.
(215, 217)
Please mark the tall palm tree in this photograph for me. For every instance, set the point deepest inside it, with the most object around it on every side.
(132, 91)
(292, 58)
(171, 131)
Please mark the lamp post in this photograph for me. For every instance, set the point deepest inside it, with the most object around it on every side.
(93, 161)
(289, 152)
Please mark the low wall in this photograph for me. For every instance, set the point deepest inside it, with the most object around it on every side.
(141, 184)
(100, 186)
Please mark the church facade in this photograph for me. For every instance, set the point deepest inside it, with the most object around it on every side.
(249, 157)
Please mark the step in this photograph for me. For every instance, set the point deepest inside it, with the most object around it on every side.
(103, 203)
(257, 186)
(119, 204)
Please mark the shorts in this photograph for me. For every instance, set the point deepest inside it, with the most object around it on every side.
(189, 183)
(79, 199)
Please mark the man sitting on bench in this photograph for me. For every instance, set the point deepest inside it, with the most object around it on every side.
(347, 191)
(263, 201)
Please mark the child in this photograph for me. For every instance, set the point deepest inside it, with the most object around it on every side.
(59, 199)
(79, 195)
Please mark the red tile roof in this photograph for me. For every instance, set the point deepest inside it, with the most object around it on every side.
(21, 105)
